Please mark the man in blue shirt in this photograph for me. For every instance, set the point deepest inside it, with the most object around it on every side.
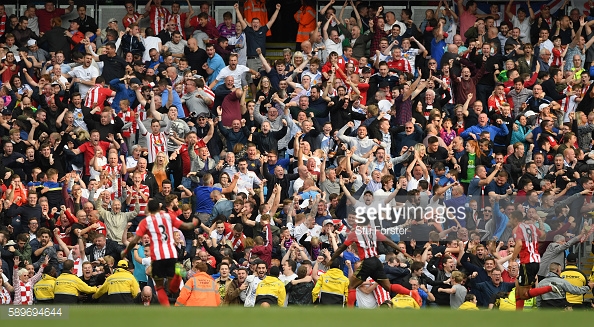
(474, 132)
(203, 205)
(438, 44)
(213, 64)
(124, 91)
(165, 88)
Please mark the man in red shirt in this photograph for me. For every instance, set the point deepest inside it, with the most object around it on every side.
(158, 14)
(88, 148)
(50, 11)
(192, 141)
(131, 16)
(527, 236)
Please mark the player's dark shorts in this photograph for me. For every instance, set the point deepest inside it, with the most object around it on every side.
(371, 267)
(161, 269)
(528, 272)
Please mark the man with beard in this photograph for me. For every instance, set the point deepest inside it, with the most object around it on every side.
(46, 248)
(236, 291)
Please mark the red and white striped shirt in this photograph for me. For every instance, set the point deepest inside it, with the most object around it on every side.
(127, 20)
(380, 293)
(210, 95)
(155, 143)
(160, 228)
(141, 202)
(180, 21)
(128, 117)
(3, 21)
(4, 296)
(236, 242)
(97, 94)
(117, 182)
(159, 18)
(494, 103)
(527, 235)
(448, 82)
(366, 239)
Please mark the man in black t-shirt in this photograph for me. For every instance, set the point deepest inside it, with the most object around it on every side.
(255, 36)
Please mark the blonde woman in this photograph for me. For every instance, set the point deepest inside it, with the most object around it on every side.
(585, 126)
(160, 168)
(297, 59)
(265, 90)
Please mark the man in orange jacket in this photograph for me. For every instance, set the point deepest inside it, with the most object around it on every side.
(306, 18)
(200, 290)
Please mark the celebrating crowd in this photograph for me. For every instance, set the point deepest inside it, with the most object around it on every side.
(383, 162)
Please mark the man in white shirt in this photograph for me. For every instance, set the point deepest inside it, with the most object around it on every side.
(309, 227)
(289, 274)
(332, 41)
(391, 21)
(235, 70)
(84, 75)
(247, 179)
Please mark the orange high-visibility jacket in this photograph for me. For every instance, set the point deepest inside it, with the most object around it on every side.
(256, 9)
(306, 18)
(199, 291)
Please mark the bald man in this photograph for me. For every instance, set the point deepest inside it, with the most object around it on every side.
(146, 297)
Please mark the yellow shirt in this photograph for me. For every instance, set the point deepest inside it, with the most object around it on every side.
(402, 301)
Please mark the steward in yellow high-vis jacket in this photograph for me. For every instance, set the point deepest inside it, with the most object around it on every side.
(44, 289)
(271, 290)
(332, 287)
(121, 287)
(69, 286)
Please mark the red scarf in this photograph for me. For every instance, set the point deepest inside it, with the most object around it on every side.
(3, 21)
(26, 297)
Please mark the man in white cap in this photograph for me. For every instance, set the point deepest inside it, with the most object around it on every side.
(112, 24)
(38, 53)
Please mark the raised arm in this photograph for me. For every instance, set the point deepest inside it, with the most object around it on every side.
(240, 18)
(273, 18)
(346, 191)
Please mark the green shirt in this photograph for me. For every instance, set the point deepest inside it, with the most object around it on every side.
(470, 172)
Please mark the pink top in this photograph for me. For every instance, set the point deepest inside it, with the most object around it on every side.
(467, 20)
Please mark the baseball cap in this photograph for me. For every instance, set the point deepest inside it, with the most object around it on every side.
(6, 112)
(328, 221)
(544, 7)
(31, 42)
(135, 80)
(112, 20)
(202, 115)
(74, 21)
(529, 113)
(123, 264)
(542, 106)
(542, 214)
(138, 63)
(572, 257)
